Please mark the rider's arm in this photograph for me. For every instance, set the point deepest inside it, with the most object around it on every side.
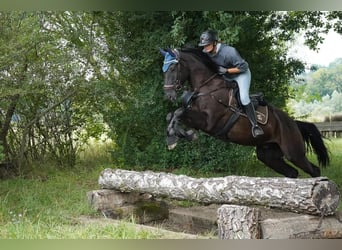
(233, 70)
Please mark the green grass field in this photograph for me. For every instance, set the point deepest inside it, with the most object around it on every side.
(47, 203)
(48, 207)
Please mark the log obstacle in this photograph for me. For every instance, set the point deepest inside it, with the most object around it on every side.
(315, 196)
(242, 222)
(238, 222)
(243, 207)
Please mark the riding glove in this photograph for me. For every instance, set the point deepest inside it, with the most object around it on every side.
(222, 70)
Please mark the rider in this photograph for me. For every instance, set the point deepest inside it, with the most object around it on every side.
(233, 67)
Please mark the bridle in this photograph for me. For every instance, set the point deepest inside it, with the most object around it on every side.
(177, 85)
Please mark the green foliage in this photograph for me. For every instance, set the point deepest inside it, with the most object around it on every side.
(66, 75)
(2, 156)
(319, 92)
(47, 62)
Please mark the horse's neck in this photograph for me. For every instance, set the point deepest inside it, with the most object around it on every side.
(200, 79)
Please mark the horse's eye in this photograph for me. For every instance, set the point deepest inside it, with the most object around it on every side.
(172, 67)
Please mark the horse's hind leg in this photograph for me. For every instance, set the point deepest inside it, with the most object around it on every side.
(307, 166)
(273, 157)
(296, 155)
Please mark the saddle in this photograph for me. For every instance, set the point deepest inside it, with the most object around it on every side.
(257, 99)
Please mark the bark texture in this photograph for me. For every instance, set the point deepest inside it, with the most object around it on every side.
(238, 222)
(317, 196)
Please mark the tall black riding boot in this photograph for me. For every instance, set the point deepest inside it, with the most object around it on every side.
(256, 130)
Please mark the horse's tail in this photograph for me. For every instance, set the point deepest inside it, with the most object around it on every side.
(313, 140)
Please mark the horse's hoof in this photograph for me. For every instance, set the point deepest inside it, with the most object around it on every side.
(194, 136)
(171, 142)
(191, 135)
(172, 146)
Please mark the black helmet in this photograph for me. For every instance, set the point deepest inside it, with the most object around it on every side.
(207, 37)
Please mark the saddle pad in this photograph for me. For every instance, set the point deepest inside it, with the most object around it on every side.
(262, 114)
(261, 111)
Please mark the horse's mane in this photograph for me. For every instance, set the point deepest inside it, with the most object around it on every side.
(203, 57)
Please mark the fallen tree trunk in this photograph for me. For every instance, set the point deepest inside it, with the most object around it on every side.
(238, 222)
(317, 196)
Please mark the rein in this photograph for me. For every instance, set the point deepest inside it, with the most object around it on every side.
(205, 82)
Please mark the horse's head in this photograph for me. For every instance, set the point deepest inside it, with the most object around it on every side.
(190, 65)
(173, 77)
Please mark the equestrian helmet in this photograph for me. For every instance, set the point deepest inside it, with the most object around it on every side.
(208, 37)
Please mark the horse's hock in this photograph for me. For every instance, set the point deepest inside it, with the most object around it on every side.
(241, 205)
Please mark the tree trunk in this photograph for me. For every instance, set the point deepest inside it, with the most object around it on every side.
(317, 196)
(6, 125)
(238, 222)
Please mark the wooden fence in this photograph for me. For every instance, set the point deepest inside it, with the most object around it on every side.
(330, 129)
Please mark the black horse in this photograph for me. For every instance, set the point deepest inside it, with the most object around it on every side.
(212, 106)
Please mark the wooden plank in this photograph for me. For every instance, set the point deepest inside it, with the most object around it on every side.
(329, 126)
(301, 227)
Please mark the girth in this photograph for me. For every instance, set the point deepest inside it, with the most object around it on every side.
(229, 124)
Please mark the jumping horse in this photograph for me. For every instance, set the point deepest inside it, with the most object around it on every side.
(212, 106)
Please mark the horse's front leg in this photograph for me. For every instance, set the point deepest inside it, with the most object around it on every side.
(174, 131)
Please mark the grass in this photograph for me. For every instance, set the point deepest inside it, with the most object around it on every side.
(334, 171)
(50, 208)
(48, 202)
(51, 203)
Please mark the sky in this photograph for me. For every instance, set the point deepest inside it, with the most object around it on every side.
(330, 50)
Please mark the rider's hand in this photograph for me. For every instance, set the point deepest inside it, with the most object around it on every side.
(222, 70)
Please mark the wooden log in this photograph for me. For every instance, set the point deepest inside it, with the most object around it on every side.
(238, 222)
(318, 196)
(301, 227)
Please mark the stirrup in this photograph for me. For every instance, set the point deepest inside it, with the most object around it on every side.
(257, 131)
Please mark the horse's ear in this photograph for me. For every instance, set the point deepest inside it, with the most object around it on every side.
(170, 51)
(163, 52)
(175, 52)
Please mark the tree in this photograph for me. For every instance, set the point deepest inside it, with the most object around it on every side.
(133, 40)
(49, 63)
(320, 93)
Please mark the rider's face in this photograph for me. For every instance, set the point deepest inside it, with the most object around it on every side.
(209, 48)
